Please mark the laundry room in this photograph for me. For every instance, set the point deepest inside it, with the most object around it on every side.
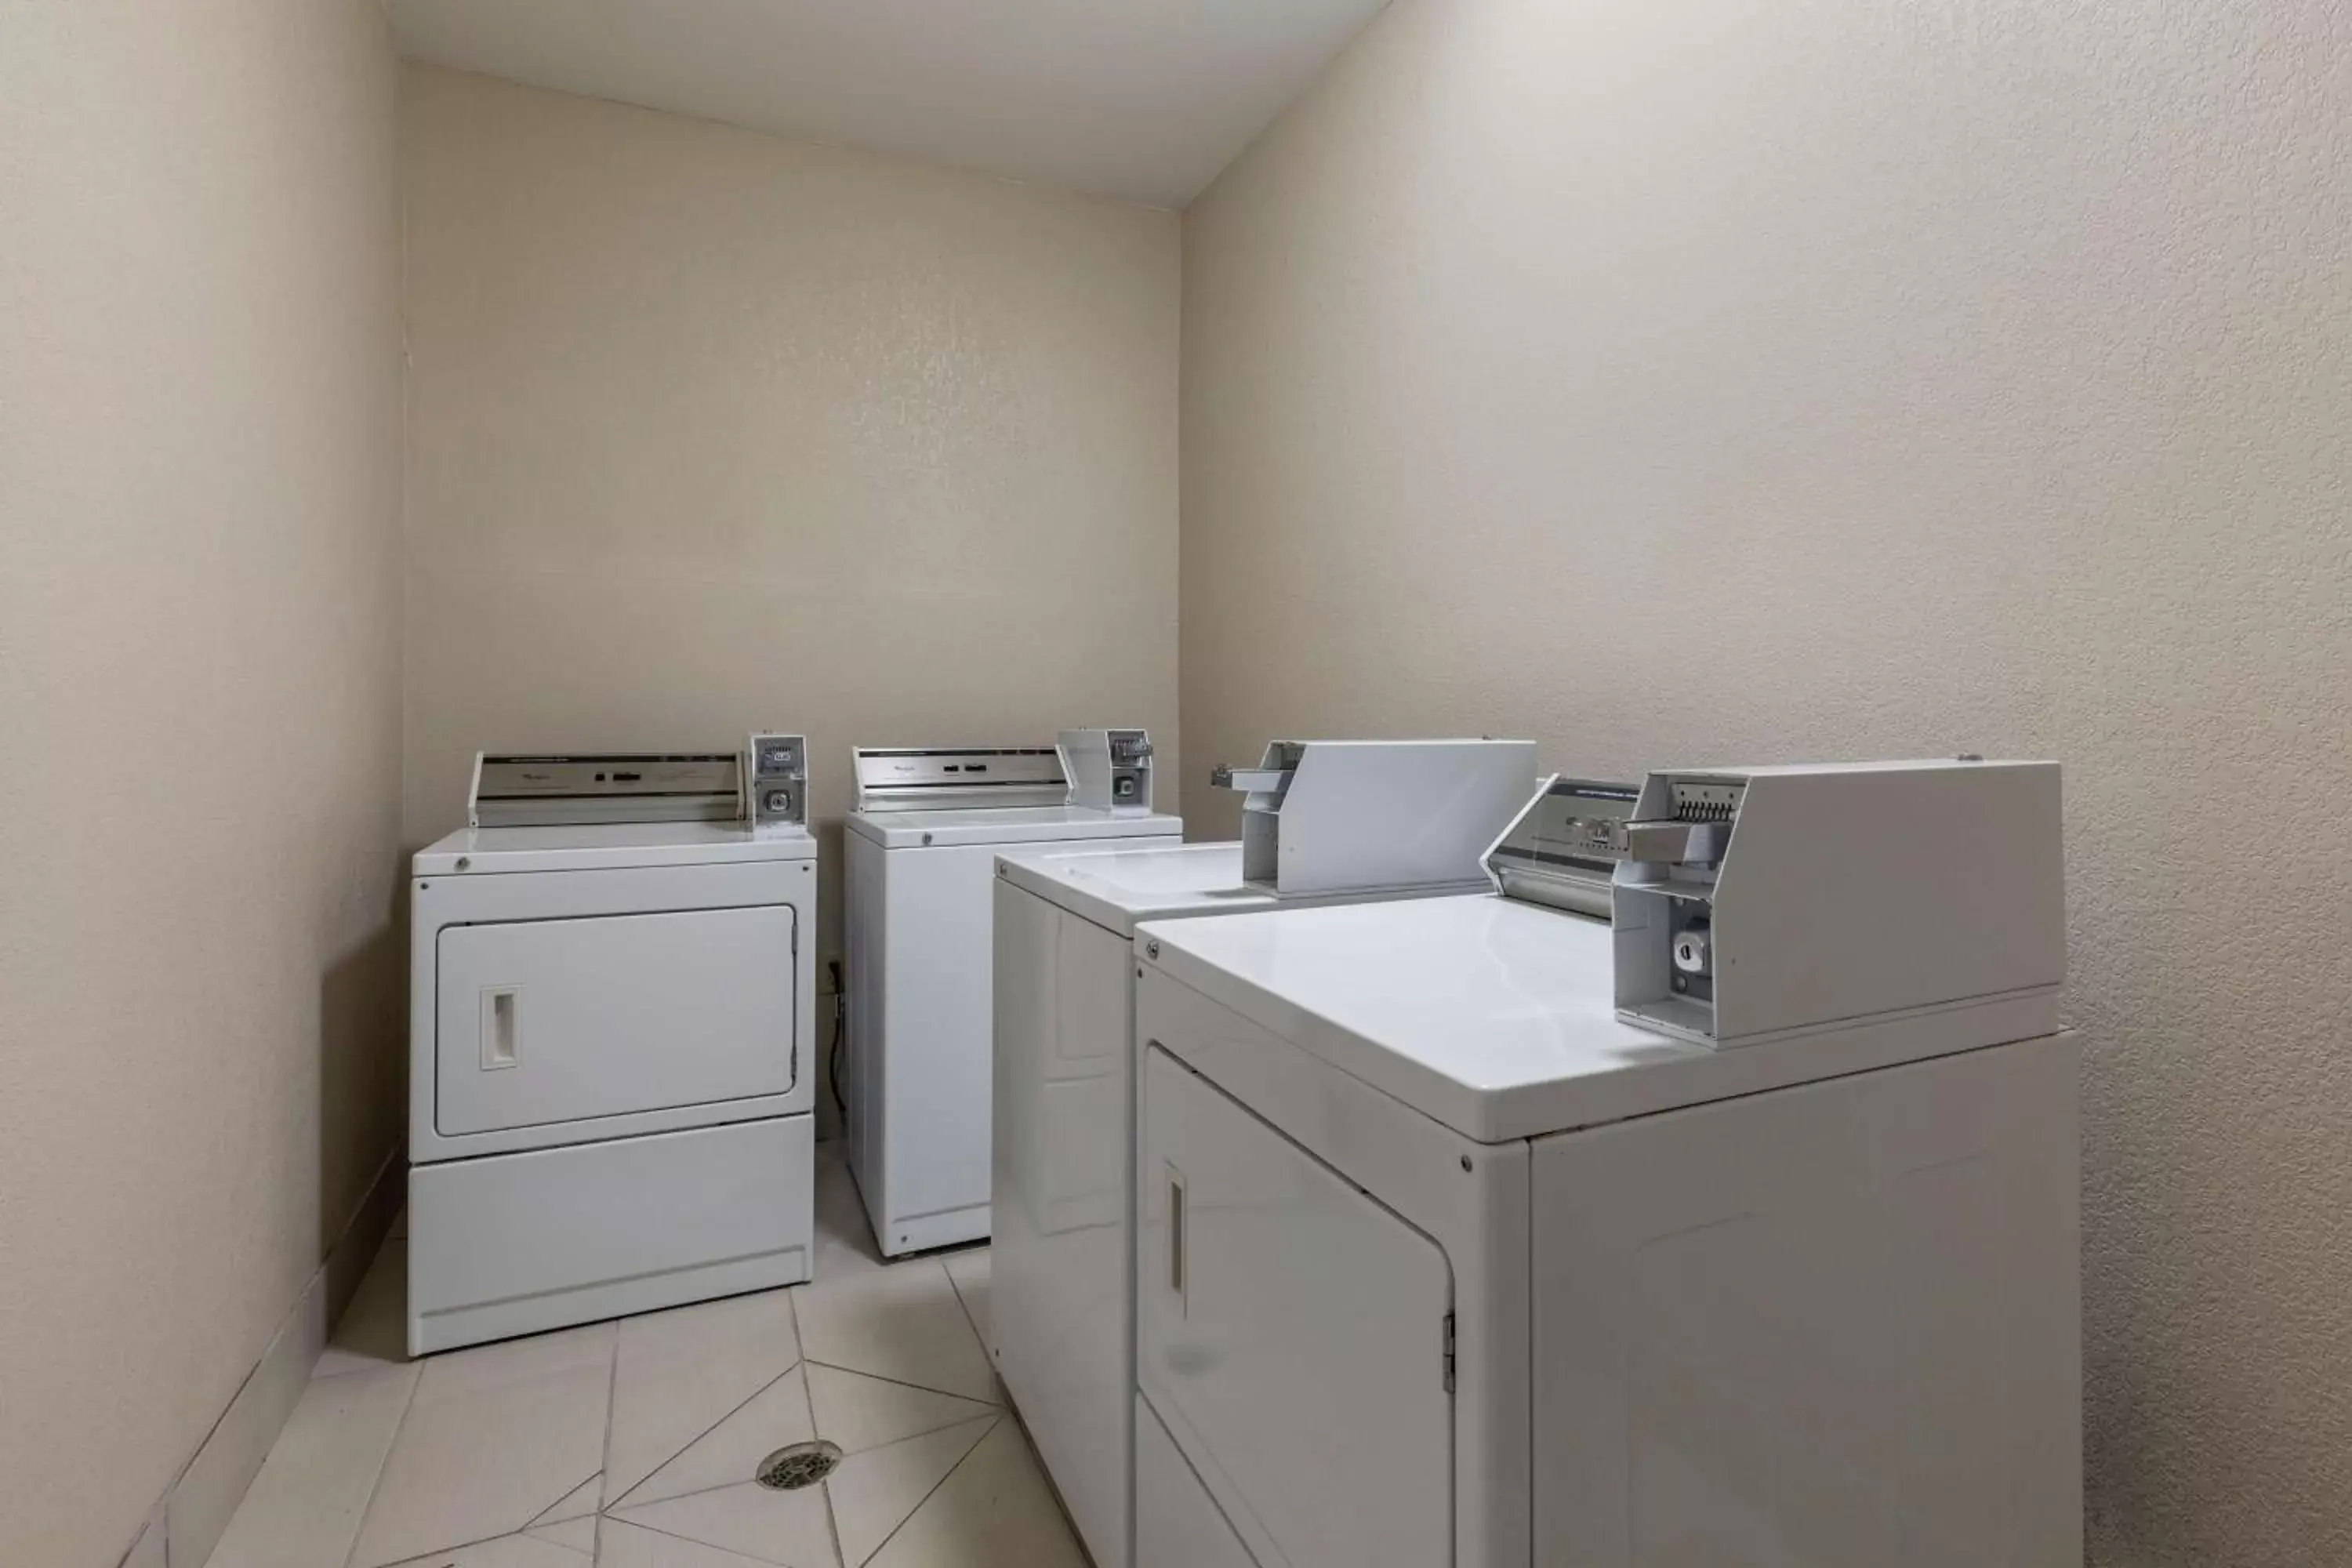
(1025, 784)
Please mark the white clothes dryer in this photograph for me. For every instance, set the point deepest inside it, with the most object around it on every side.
(610, 1048)
(1739, 1228)
(1357, 821)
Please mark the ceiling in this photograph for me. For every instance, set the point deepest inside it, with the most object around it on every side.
(1142, 101)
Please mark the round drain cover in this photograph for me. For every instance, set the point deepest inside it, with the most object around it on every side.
(799, 1465)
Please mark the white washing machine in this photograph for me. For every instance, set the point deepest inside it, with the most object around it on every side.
(1357, 821)
(1739, 1229)
(922, 843)
(611, 1043)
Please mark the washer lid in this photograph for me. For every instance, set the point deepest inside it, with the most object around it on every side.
(609, 846)
(1005, 825)
(1498, 1018)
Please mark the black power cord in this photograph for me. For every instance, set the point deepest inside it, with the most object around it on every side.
(833, 1052)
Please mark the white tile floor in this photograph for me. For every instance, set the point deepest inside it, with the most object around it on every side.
(632, 1445)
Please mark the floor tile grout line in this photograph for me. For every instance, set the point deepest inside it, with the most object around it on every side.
(532, 1531)
(351, 1545)
(674, 1535)
(453, 1546)
(540, 1517)
(900, 1382)
(961, 1461)
(986, 1411)
(626, 1512)
(635, 1486)
(831, 1524)
(612, 1397)
(969, 1315)
(620, 1512)
(376, 1486)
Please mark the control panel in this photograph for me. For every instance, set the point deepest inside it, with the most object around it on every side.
(775, 770)
(1110, 770)
(1561, 850)
(917, 778)
(1750, 903)
(601, 787)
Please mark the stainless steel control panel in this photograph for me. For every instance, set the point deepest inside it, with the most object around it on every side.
(604, 787)
(922, 778)
(777, 770)
(1563, 849)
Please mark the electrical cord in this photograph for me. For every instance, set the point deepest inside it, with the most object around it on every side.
(833, 1052)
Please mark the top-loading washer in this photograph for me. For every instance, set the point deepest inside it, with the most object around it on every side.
(611, 1049)
(1361, 820)
(1739, 1228)
(922, 842)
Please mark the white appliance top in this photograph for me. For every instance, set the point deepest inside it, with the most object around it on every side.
(609, 845)
(1495, 1017)
(1004, 824)
(1116, 889)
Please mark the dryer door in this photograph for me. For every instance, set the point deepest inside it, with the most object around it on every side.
(563, 1020)
(1294, 1335)
(1176, 1524)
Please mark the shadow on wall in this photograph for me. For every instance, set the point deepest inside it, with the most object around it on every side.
(362, 1085)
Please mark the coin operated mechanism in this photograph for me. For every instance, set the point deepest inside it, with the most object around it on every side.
(1752, 904)
(1109, 770)
(1263, 789)
(1562, 851)
(775, 772)
(1683, 844)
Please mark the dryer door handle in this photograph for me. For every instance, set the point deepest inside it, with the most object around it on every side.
(1178, 1222)
(501, 1027)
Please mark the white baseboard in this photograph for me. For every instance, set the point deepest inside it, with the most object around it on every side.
(187, 1520)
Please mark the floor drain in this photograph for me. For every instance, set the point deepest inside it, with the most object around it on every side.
(802, 1463)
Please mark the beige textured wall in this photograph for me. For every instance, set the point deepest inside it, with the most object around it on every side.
(713, 430)
(199, 693)
(1704, 380)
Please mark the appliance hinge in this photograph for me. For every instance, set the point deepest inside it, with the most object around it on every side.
(1449, 1353)
(796, 939)
(793, 1080)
